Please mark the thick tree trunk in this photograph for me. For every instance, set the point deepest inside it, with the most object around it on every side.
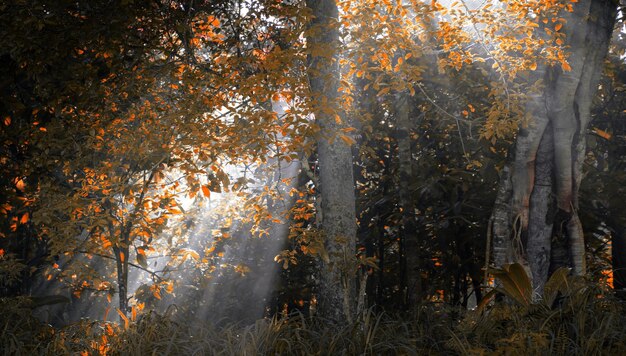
(336, 292)
(411, 263)
(540, 170)
(541, 209)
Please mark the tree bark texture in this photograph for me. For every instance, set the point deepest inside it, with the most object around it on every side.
(337, 285)
(538, 198)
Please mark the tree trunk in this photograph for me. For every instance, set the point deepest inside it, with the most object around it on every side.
(121, 260)
(336, 292)
(618, 251)
(411, 264)
(561, 112)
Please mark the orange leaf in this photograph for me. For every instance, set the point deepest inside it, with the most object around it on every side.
(7, 120)
(566, 67)
(558, 26)
(124, 317)
(122, 257)
(605, 135)
(206, 191)
(24, 218)
(20, 184)
(347, 139)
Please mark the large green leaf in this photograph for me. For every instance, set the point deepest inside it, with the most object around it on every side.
(515, 283)
(558, 282)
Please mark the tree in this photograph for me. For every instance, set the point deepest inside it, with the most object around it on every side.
(338, 221)
(535, 216)
(112, 123)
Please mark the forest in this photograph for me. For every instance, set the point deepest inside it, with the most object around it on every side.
(312, 177)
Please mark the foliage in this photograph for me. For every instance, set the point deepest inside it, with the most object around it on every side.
(116, 136)
(583, 320)
(574, 316)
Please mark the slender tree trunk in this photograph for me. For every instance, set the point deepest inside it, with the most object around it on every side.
(411, 263)
(618, 248)
(335, 165)
(121, 260)
(561, 113)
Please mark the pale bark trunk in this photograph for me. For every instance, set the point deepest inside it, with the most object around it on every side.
(541, 210)
(336, 290)
(564, 105)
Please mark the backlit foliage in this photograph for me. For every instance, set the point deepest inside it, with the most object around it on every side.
(151, 140)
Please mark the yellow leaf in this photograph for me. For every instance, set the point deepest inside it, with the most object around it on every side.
(193, 254)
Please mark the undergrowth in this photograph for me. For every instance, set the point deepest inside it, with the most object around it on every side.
(582, 320)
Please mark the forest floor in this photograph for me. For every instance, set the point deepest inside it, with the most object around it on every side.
(587, 321)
